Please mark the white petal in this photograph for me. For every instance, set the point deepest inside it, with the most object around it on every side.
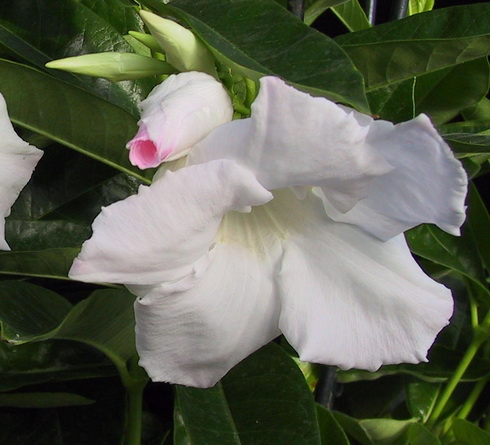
(178, 113)
(193, 332)
(351, 300)
(293, 139)
(17, 162)
(428, 185)
(159, 234)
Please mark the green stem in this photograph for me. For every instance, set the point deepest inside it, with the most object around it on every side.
(472, 398)
(134, 413)
(480, 336)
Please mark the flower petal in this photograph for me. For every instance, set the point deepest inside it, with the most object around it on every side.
(178, 113)
(293, 139)
(427, 185)
(351, 300)
(193, 332)
(159, 234)
(17, 162)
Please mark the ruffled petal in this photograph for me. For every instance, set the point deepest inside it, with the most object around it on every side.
(294, 139)
(194, 331)
(17, 162)
(178, 113)
(351, 300)
(427, 185)
(159, 234)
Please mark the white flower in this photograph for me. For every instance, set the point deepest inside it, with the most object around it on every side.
(17, 162)
(288, 222)
(178, 113)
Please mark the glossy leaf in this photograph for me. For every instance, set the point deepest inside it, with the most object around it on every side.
(48, 361)
(315, 9)
(48, 263)
(433, 94)
(264, 399)
(105, 320)
(421, 397)
(419, 44)
(418, 434)
(458, 254)
(43, 400)
(418, 6)
(298, 54)
(331, 432)
(67, 115)
(49, 36)
(352, 15)
(469, 434)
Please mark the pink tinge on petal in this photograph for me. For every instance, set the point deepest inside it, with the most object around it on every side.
(143, 153)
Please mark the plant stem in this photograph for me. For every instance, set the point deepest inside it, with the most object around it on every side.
(399, 9)
(472, 398)
(480, 336)
(134, 413)
(370, 9)
(297, 7)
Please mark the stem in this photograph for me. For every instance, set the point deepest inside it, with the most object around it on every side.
(134, 413)
(370, 8)
(399, 9)
(480, 336)
(472, 398)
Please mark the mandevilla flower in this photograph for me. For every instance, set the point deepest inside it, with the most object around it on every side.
(178, 113)
(17, 162)
(284, 225)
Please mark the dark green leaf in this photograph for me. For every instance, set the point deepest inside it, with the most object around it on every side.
(331, 432)
(43, 400)
(456, 253)
(48, 263)
(105, 320)
(421, 397)
(442, 94)
(419, 434)
(374, 431)
(315, 9)
(34, 363)
(419, 44)
(70, 28)
(248, 43)
(68, 115)
(263, 400)
(27, 310)
(479, 223)
(469, 434)
(480, 111)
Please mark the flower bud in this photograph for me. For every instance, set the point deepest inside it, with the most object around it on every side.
(182, 48)
(113, 66)
(176, 115)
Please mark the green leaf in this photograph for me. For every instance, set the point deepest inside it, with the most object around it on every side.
(352, 15)
(43, 400)
(264, 399)
(34, 363)
(420, 44)
(76, 174)
(421, 397)
(418, 6)
(331, 432)
(479, 222)
(105, 320)
(315, 9)
(456, 253)
(27, 311)
(374, 431)
(48, 263)
(38, 37)
(300, 55)
(480, 111)
(67, 114)
(469, 434)
(418, 434)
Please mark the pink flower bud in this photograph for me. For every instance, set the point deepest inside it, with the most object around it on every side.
(176, 115)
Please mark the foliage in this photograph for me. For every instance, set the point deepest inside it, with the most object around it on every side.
(67, 356)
